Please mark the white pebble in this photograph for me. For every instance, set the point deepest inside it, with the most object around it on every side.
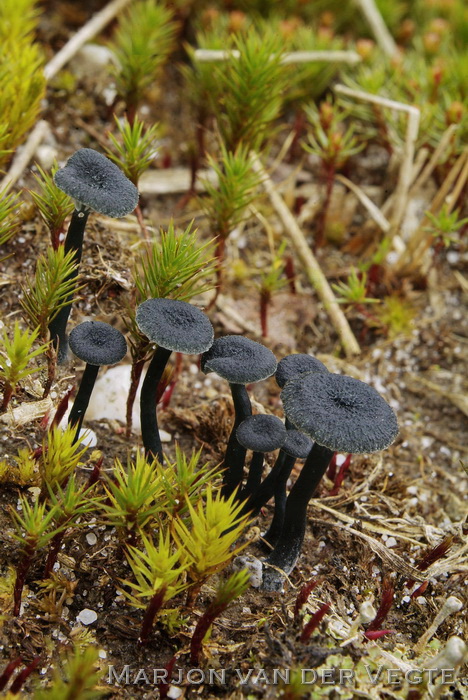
(91, 538)
(391, 542)
(87, 616)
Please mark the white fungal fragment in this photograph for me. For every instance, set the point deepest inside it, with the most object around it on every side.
(452, 605)
(87, 616)
(367, 612)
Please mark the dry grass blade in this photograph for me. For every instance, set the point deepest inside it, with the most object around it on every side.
(95, 25)
(393, 560)
(383, 37)
(213, 55)
(407, 161)
(22, 158)
(372, 209)
(377, 529)
(309, 262)
(458, 399)
(420, 241)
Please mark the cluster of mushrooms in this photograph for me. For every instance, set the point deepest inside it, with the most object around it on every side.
(324, 412)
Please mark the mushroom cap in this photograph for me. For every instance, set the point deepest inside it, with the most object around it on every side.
(299, 363)
(297, 444)
(95, 181)
(175, 325)
(261, 433)
(239, 360)
(339, 412)
(98, 343)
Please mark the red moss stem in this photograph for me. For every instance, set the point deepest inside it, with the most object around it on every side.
(135, 376)
(314, 622)
(21, 573)
(153, 608)
(386, 603)
(203, 625)
(23, 675)
(8, 672)
(303, 596)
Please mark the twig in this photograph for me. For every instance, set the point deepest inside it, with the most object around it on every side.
(373, 210)
(24, 155)
(213, 56)
(378, 26)
(308, 260)
(406, 168)
(95, 25)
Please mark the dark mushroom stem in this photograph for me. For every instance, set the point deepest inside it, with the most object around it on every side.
(234, 458)
(288, 546)
(82, 398)
(148, 416)
(255, 475)
(279, 492)
(73, 241)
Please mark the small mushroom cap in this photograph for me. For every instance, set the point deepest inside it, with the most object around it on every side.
(292, 365)
(98, 343)
(261, 433)
(95, 181)
(175, 325)
(239, 360)
(297, 444)
(339, 412)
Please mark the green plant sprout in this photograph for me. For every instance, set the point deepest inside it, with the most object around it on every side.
(176, 267)
(34, 529)
(9, 224)
(54, 205)
(250, 88)
(71, 504)
(227, 592)
(395, 316)
(184, 481)
(142, 43)
(15, 358)
(135, 497)
(77, 678)
(133, 152)
(24, 472)
(22, 81)
(445, 226)
(271, 281)
(334, 144)
(46, 294)
(354, 290)
(202, 88)
(60, 456)
(227, 199)
(159, 577)
(214, 527)
(135, 148)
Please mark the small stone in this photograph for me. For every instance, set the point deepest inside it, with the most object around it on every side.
(391, 542)
(87, 616)
(253, 565)
(91, 538)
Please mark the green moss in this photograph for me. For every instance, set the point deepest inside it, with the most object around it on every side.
(22, 82)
